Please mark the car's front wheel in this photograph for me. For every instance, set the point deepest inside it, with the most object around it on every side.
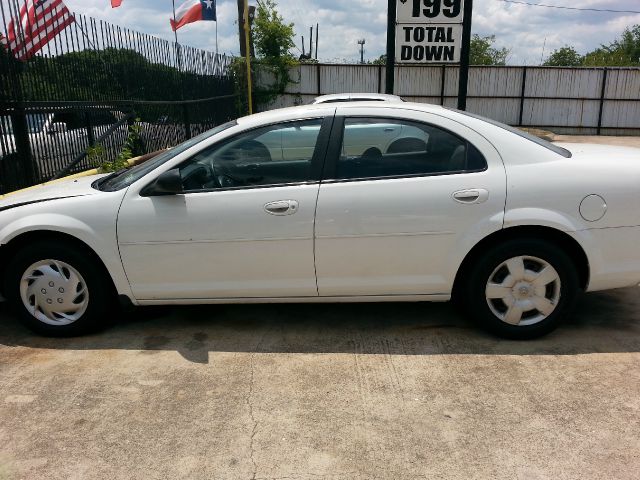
(57, 290)
(521, 289)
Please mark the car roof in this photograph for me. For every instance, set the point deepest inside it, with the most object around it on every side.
(336, 97)
(302, 111)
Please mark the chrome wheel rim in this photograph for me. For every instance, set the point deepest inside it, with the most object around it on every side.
(523, 290)
(54, 292)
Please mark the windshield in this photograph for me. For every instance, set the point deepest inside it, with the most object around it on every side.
(543, 143)
(124, 178)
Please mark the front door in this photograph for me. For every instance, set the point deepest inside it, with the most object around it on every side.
(242, 228)
(395, 219)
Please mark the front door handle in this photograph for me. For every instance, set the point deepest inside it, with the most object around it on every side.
(281, 207)
(473, 195)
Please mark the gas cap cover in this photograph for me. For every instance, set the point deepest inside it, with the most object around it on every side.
(593, 207)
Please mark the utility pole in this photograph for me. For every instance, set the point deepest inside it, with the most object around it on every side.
(391, 45)
(247, 35)
(317, 24)
(241, 35)
(361, 43)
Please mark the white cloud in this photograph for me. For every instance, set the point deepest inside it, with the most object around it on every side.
(520, 28)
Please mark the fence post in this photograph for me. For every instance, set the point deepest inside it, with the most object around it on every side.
(443, 76)
(90, 136)
(522, 92)
(318, 79)
(187, 122)
(25, 168)
(602, 93)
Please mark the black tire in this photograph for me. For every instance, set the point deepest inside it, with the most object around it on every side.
(473, 291)
(100, 289)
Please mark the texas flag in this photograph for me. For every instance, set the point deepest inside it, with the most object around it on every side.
(194, 11)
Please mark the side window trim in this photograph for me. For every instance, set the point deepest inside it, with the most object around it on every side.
(317, 159)
(334, 148)
(330, 171)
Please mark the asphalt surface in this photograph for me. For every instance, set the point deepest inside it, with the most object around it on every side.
(352, 391)
(330, 391)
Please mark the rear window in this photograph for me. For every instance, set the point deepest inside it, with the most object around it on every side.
(543, 143)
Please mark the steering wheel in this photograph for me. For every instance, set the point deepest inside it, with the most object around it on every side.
(197, 177)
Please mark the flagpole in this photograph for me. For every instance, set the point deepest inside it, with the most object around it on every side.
(175, 34)
(175, 31)
(247, 54)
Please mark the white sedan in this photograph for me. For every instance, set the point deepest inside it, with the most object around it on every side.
(353, 202)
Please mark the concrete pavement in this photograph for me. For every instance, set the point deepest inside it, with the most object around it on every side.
(354, 391)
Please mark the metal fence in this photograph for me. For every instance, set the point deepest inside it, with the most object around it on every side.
(60, 134)
(564, 100)
(89, 85)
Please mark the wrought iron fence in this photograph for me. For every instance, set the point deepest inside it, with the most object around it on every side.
(60, 134)
(89, 84)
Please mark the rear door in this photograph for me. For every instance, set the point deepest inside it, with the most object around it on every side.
(400, 222)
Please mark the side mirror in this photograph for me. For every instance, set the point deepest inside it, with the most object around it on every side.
(57, 127)
(169, 183)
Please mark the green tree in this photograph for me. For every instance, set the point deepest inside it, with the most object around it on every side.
(564, 57)
(273, 39)
(482, 51)
(272, 36)
(623, 52)
(381, 60)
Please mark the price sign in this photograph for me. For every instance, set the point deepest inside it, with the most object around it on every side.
(430, 11)
(430, 43)
(429, 31)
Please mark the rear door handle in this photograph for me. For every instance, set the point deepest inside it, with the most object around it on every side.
(281, 207)
(473, 195)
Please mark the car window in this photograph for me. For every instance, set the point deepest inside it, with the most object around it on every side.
(521, 133)
(277, 154)
(35, 122)
(377, 147)
(126, 177)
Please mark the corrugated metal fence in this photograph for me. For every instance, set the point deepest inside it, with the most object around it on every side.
(565, 100)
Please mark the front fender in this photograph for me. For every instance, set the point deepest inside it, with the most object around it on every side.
(94, 224)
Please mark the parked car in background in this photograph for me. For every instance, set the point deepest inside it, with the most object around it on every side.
(56, 138)
(357, 97)
(353, 202)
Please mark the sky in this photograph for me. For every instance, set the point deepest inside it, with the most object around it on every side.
(528, 32)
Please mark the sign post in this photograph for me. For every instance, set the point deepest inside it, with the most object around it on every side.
(391, 48)
(463, 77)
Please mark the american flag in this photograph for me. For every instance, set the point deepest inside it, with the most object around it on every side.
(38, 23)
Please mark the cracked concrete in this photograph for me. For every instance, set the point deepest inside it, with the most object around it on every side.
(332, 392)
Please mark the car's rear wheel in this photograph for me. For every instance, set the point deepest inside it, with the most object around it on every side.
(521, 289)
(57, 290)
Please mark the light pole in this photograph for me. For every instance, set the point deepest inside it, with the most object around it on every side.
(361, 43)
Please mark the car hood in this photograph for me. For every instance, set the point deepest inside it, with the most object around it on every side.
(76, 187)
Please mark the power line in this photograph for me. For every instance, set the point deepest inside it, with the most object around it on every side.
(604, 10)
